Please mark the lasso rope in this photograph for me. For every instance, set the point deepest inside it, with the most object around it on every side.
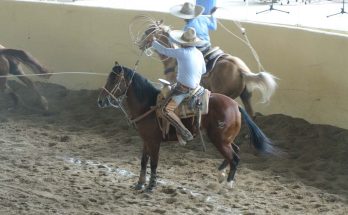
(55, 73)
(245, 41)
(152, 23)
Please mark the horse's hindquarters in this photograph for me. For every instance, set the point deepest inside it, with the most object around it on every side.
(223, 121)
(225, 79)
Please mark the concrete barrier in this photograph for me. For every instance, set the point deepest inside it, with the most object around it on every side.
(312, 66)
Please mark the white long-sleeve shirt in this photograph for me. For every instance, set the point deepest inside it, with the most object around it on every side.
(191, 65)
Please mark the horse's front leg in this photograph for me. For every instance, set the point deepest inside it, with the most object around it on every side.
(8, 90)
(153, 177)
(153, 164)
(16, 70)
(142, 178)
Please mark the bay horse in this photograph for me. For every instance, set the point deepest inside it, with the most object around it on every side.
(126, 88)
(230, 75)
(10, 60)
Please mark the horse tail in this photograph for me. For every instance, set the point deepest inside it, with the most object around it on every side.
(25, 58)
(263, 81)
(261, 142)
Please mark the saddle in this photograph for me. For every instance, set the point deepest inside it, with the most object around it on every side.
(211, 56)
(194, 105)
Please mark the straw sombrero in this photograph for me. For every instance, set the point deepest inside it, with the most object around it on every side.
(186, 10)
(187, 38)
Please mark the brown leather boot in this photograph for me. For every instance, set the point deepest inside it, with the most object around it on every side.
(180, 127)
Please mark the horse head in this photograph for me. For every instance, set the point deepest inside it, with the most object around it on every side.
(155, 30)
(115, 89)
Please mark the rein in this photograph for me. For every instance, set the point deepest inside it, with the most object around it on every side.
(120, 99)
(152, 109)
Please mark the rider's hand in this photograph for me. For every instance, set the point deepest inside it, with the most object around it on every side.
(213, 10)
(152, 40)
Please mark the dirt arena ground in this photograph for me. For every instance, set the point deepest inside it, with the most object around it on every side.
(78, 159)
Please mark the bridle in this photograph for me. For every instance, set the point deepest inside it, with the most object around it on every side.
(119, 100)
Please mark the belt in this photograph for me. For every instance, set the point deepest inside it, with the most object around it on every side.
(188, 89)
(181, 86)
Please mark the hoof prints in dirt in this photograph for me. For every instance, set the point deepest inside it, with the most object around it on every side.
(83, 160)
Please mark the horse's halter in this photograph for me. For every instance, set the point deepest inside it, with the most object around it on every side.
(117, 101)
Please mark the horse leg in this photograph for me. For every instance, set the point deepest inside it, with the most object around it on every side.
(223, 165)
(6, 89)
(142, 178)
(16, 70)
(231, 158)
(233, 168)
(153, 164)
(222, 171)
(4, 70)
(245, 96)
(235, 148)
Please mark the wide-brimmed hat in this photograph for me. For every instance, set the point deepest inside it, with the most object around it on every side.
(187, 38)
(186, 10)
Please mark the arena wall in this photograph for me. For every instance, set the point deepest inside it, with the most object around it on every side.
(311, 65)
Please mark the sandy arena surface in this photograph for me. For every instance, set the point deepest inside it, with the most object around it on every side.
(79, 159)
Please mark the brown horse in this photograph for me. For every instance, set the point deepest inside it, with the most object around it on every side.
(230, 75)
(222, 123)
(9, 64)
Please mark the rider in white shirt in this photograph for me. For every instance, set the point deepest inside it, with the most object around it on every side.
(191, 67)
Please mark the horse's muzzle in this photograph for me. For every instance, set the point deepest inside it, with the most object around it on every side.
(101, 103)
(107, 102)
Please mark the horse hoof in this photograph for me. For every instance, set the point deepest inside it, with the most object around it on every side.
(139, 186)
(230, 184)
(221, 177)
(149, 189)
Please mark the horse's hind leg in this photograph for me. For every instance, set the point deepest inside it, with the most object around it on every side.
(223, 165)
(233, 167)
(235, 148)
(231, 158)
(222, 171)
(245, 96)
(16, 70)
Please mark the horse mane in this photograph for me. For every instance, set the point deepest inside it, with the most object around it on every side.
(144, 91)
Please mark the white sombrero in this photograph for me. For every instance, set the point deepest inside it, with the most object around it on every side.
(186, 10)
(187, 38)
